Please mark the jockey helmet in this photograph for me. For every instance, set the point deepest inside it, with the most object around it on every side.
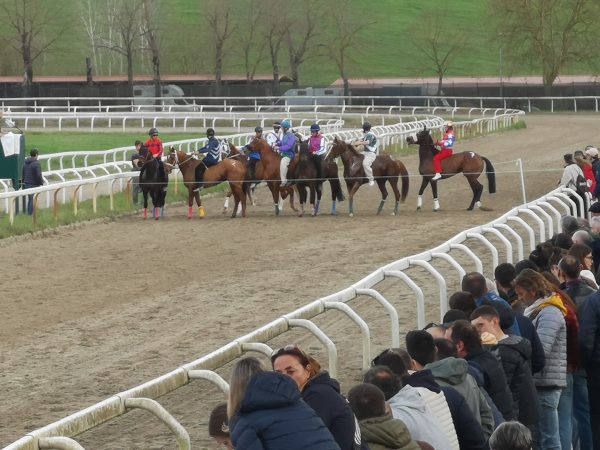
(315, 127)
(286, 125)
(449, 124)
(277, 125)
(210, 132)
(366, 126)
(152, 132)
(258, 130)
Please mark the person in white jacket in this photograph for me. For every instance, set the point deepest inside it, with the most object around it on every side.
(570, 176)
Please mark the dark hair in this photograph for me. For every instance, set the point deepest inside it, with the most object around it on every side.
(303, 358)
(464, 301)
(562, 240)
(34, 152)
(384, 379)
(366, 400)
(420, 346)
(504, 274)
(486, 311)
(579, 251)
(453, 315)
(462, 330)
(526, 264)
(138, 142)
(511, 436)
(569, 225)
(445, 348)
(394, 360)
(541, 255)
(568, 158)
(217, 422)
(570, 266)
(474, 282)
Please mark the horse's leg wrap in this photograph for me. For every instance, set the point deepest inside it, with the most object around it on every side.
(190, 213)
(239, 210)
(478, 204)
(381, 203)
(333, 208)
(156, 213)
(436, 204)
(145, 213)
(201, 212)
(226, 204)
(351, 207)
(317, 205)
(419, 201)
(396, 208)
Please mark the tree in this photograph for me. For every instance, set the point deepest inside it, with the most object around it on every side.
(346, 28)
(547, 33)
(221, 27)
(300, 36)
(274, 32)
(251, 41)
(34, 27)
(149, 31)
(437, 42)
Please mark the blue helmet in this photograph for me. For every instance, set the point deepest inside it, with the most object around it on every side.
(258, 130)
(285, 124)
(315, 127)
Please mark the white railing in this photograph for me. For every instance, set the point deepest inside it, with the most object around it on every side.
(512, 234)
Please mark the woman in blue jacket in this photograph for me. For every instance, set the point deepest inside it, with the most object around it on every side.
(266, 412)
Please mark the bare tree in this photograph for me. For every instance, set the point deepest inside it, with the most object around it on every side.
(34, 27)
(251, 40)
(300, 36)
(346, 30)
(150, 29)
(274, 31)
(437, 42)
(90, 18)
(221, 27)
(548, 33)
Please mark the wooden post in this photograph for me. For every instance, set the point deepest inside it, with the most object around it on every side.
(75, 199)
(56, 203)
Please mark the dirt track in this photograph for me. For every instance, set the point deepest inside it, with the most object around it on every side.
(93, 311)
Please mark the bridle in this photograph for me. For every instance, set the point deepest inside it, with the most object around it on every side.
(177, 163)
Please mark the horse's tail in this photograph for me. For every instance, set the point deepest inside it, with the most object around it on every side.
(336, 189)
(491, 175)
(405, 178)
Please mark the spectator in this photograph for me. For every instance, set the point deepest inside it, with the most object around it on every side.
(547, 312)
(595, 208)
(541, 255)
(32, 176)
(584, 254)
(525, 264)
(320, 392)
(453, 315)
(582, 237)
(511, 436)
(135, 165)
(463, 301)
(586, 168)
(378, 428)
(592, 153)
(475, 284)
(407, 405)
(514, 353)
(569, 225)
(570, 176)
(265, 410)
(218, 428)
(397, 359)
(589, 343)
(436, 330)
(595, 244)
(504, 274)
(562, 241)
(468, 346)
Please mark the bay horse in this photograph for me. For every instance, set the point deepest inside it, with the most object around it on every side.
(150, 183)
(230, 170)
(385, 169)
(469, 163)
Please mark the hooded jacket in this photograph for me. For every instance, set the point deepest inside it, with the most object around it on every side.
(548, 317)
(476, 372)
(408, 406)
(454, 372)
(272, 416)
(589, 334)
(322, 393)
(32, 173)
(515, 353)
(385, 432)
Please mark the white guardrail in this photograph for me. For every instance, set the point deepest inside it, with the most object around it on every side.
(517, 231)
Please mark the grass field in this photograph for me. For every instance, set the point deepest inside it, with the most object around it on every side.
(385, 49)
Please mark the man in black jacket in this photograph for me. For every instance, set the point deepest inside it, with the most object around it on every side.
(32, 176)
(468, 346)
(589, 343)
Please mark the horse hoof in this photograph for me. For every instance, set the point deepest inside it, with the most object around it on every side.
(418, 208)
(351, 215)
(393, 214)
(470, 208)
(224, 211)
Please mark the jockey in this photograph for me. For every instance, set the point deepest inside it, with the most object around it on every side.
(369, 140)
(155, 146)
(274, 137)
(253, 156)
(211, 159)
(318, 147)
(446, 145)
(286, 148)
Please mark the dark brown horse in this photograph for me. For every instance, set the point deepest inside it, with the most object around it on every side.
(151, 183)
(469, 163)
(230, 170)
(385, 169)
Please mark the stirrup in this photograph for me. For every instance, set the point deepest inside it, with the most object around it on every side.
(437, 176)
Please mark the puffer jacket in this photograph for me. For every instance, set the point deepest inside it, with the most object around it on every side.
(515, 353)
(322, 393)
(589, 333)
(272, 416)
(454, 372)
(538, 358)
(548, 317)
(385, 432)
(408, 406)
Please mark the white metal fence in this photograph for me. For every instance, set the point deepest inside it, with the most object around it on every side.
(511, 235)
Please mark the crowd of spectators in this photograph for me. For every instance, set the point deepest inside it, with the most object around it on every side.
(515, 364)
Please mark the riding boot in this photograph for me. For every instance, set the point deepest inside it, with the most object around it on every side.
(252, 169)
(319, 166)
(161, 173)
(199, 177)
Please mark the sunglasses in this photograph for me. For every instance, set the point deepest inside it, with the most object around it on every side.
(293, 350)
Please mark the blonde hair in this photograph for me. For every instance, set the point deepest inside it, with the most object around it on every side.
(242, 372)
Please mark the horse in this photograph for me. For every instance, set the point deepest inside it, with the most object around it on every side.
(151, 183)
(469, 163)
(231, 151)
(385, 169)
(230, 170)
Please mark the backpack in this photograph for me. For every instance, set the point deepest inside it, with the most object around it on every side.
(581, 185)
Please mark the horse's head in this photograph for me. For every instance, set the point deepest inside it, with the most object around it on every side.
(337, 148)
(258, 145)
(422, 137)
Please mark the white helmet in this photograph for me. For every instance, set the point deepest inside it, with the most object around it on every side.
(449, 124)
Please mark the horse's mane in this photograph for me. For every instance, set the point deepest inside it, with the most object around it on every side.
(351, 148)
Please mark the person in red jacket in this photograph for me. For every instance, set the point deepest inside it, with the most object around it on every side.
(446, 147)
(586, 167)
(155, 146)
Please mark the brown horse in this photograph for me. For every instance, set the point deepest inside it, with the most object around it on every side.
(230, 170)
(385, 169)
(469, 163)
(234, 153)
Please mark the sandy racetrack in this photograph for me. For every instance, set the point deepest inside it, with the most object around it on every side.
(92, 311)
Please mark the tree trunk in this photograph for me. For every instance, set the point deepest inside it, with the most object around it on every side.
(130, 72)
(294, 73)
(218, 69)
(440, 80)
